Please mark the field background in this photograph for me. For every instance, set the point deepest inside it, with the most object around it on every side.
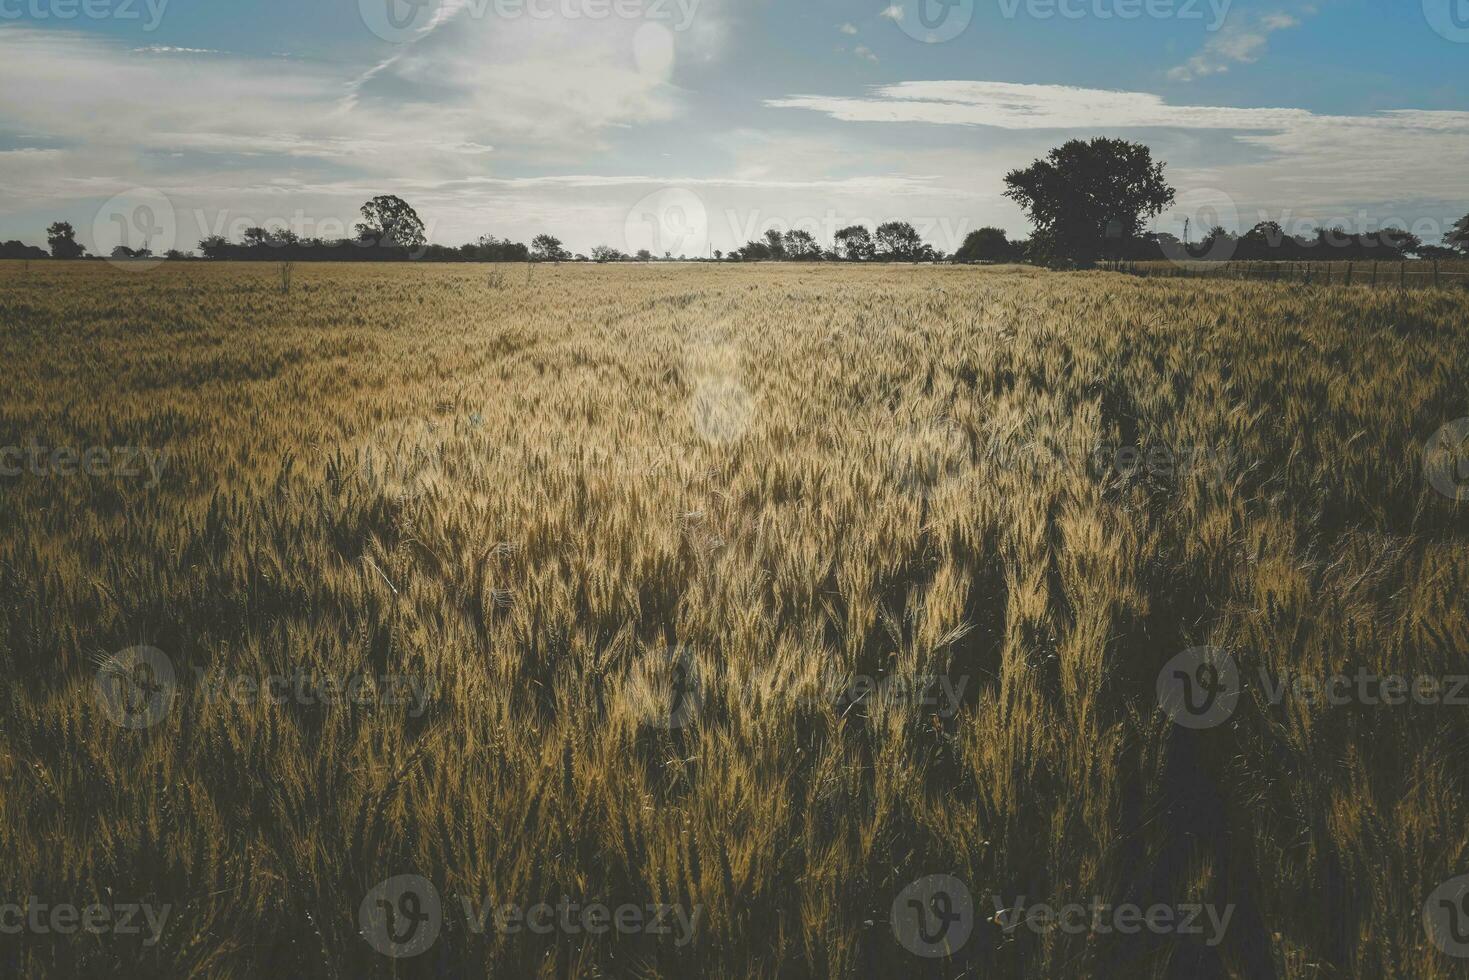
(525, 485)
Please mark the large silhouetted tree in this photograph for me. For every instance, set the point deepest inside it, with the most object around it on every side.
(986, 245)
(1458, 236)
(63, 241)
(1089, 199)
(388, 221)
(898, 241)
(855, 242)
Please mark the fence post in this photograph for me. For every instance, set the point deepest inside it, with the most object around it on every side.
(1435, 273)
(1349, 273)
(1374, 275)
(1402, 275)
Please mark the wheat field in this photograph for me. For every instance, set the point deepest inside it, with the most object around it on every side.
(598, 560)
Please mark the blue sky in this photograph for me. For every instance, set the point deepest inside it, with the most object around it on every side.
(688, 125)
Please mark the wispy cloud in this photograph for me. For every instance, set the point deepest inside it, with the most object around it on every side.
(1311, 156)
(1243, 40)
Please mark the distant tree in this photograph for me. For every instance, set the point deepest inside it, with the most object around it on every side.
(388, 221)
(256, 237)
(214, 247)
(15, 249)
(800, 245)
(986, 245)
(1440, 253)
(63, 241)
(174, 255)
(547, 248)
(718, 255)
(1089, 199)
(488, 248)
(855, 242)
(606, 253)
(756, 251)
(644, 255)
(898, 241)
(775, 245)
(1219, 242)
(1458, 236)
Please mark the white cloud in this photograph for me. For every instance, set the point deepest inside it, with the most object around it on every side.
(893, 13)
(863, 51)
(1299, 157)
(1241, 41)
(848, 29)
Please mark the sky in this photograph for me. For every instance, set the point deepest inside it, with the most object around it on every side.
(685, 126)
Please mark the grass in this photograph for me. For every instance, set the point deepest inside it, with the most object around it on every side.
(547, 497)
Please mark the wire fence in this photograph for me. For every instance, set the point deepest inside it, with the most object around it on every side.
(1391, 275)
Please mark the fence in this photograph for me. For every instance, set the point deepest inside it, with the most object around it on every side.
(1399, 275)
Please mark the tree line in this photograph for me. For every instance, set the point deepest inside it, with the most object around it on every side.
(1088, 201)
